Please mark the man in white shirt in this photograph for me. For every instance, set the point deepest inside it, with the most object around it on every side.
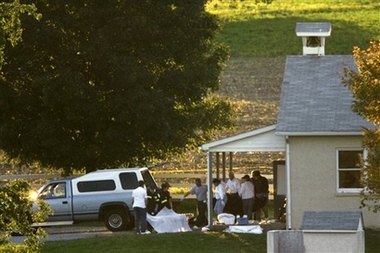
(233, 184)
(247, 194)
(140, 200)
(234, 205)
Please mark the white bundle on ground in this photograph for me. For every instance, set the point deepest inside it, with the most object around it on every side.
(251, 229)
(168, 221)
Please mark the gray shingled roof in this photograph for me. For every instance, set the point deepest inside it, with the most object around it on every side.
(314, 100)
(332, 220)
(313, 27)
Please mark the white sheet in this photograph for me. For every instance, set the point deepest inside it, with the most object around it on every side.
(168, 221)
(252, 229)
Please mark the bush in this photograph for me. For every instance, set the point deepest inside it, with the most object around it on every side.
(17, 215)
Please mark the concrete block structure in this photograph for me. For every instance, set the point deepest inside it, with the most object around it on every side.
(323, 231)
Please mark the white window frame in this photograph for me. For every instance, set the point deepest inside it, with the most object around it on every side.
(347, 190)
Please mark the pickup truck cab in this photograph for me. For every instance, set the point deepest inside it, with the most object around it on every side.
(104, 195)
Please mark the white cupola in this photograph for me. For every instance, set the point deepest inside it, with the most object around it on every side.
(313, 36)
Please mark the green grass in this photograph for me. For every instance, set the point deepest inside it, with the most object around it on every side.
(269, 30)
(372, 239)
(177, 242)
(180, 242)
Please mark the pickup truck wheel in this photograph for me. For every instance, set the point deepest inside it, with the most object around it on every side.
(116, 220)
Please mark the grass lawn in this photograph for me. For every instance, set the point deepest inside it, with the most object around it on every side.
(180, 243)
(250, 29)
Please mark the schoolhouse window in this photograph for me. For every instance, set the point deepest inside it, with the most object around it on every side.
(349, 170)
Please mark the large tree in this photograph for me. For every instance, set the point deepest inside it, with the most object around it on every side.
(365, 87)
(109, 83)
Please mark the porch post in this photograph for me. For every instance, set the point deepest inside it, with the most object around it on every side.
(230, 161)
(209, 183)
(217, 164)
(224, 166)
(288, 190)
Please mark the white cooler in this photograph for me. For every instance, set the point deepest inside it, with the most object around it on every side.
(226, 218)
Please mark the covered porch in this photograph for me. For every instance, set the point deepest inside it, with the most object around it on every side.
(259, 140)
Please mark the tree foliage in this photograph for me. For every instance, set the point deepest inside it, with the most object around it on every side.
(17, 215)
(110, 83)
(10, 24)
(365, 87)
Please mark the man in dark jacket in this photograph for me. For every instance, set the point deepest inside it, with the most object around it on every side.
(164, 198)
(261, 194)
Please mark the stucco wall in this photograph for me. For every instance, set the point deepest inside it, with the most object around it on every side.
(313, 178)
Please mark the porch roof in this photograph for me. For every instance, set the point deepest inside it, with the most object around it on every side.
(259, 140)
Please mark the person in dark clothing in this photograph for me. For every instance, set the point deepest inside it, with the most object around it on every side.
(261, 194)
(152, 200)
(164, 198)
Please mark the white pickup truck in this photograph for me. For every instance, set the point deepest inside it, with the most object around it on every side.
(104, 195)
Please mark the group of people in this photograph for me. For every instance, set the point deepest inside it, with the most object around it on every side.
(149, 201)
(251, 194)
